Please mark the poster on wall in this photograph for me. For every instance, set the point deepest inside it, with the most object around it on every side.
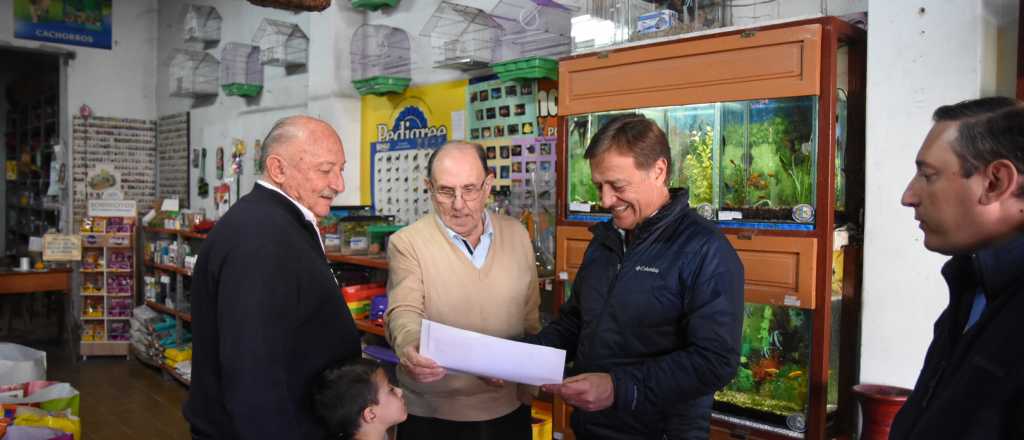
(400, 134)
(75, 22)
(103, 182)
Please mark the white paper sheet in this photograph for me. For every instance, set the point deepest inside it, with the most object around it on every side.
(488, 356)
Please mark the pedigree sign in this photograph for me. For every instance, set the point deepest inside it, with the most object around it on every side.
(423, 117)
(410, 130)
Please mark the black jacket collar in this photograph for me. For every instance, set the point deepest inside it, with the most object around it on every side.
(259, 192)
(677, 206)
(998, 269)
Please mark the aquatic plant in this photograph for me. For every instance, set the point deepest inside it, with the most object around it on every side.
(697, 166)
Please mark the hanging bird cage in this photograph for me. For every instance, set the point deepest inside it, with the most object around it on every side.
(294, 5)
(281, 43)
(202, 24)
(463, 37)
(533, 28)
(380, 60)
(373, 5)
(193, 73)
(241, 73)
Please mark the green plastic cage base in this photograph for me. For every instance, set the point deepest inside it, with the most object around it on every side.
(373, 5)
(381, 85)
(526, 68)
(239, 89)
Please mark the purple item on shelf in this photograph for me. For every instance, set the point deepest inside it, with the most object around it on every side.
(382, 354)
(378, 306)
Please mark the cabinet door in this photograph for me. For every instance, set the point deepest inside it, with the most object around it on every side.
(571, 244)
(777, 270)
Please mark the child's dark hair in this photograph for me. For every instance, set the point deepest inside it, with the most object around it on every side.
(341, 394)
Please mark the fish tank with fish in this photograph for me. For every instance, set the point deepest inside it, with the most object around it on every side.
(747, 164)
(771, 384)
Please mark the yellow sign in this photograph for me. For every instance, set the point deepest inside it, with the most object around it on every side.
(422, 117)
(57, 247)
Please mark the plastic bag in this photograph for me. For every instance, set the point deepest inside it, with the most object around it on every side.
(49, 396)
(61, 420)
(35, 433)
(19, 364)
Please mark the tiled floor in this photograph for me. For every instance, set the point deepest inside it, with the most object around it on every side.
(120, 398)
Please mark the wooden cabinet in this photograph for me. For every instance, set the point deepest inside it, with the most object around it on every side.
(787, 263)
(777, 270)
(570, 245)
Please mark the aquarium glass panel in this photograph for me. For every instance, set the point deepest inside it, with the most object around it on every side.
(772, 381)
(767, 160)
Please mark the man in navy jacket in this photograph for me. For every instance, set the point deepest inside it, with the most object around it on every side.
(267, 315)
(968, 195)
(654, 321)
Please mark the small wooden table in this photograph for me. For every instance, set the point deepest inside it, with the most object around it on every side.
(13, 282)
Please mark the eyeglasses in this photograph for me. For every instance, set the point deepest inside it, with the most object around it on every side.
(469, 193)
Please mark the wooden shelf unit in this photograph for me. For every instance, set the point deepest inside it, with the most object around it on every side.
(792, 268)
(106, 244)
(176, 270)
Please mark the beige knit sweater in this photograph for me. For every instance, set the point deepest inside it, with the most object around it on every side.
(430, 278)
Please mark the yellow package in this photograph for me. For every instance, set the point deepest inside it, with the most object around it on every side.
(178, 354)
(61, 420)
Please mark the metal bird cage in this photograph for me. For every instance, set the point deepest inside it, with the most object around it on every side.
(463, 37)
(241, 73)
(281, 43)
(193, 73)
(202, 24)
(533, 28)
(380, 60)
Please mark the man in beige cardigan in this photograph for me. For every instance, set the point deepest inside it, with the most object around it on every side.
(466, 268)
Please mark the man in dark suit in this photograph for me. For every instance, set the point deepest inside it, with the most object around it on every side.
(968, 197)
(267, 315)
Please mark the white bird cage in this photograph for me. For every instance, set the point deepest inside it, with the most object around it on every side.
(241, 73)
(202, 24)
(380, 59)
(534, 28)
(194, 73)
(463, 37)
(281, 43)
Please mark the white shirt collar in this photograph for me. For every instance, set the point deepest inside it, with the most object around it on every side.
(488, 227)
(305, 211)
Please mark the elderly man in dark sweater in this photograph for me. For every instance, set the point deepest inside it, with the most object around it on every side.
(267, 316)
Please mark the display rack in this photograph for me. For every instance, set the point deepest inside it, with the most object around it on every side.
(167, 279)
(108, 285)
(31, 208)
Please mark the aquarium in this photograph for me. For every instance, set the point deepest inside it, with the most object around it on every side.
(771, 384)
(767, 160)
(749, 164)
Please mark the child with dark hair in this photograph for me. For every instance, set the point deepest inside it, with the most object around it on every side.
(357, 400)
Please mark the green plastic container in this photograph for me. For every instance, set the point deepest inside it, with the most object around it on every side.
(381, 85)
(379, 234)
(373, 5)
(239, 89)
(526, 68)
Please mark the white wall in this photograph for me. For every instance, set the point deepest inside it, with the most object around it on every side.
(321, 89)
(917, 61)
